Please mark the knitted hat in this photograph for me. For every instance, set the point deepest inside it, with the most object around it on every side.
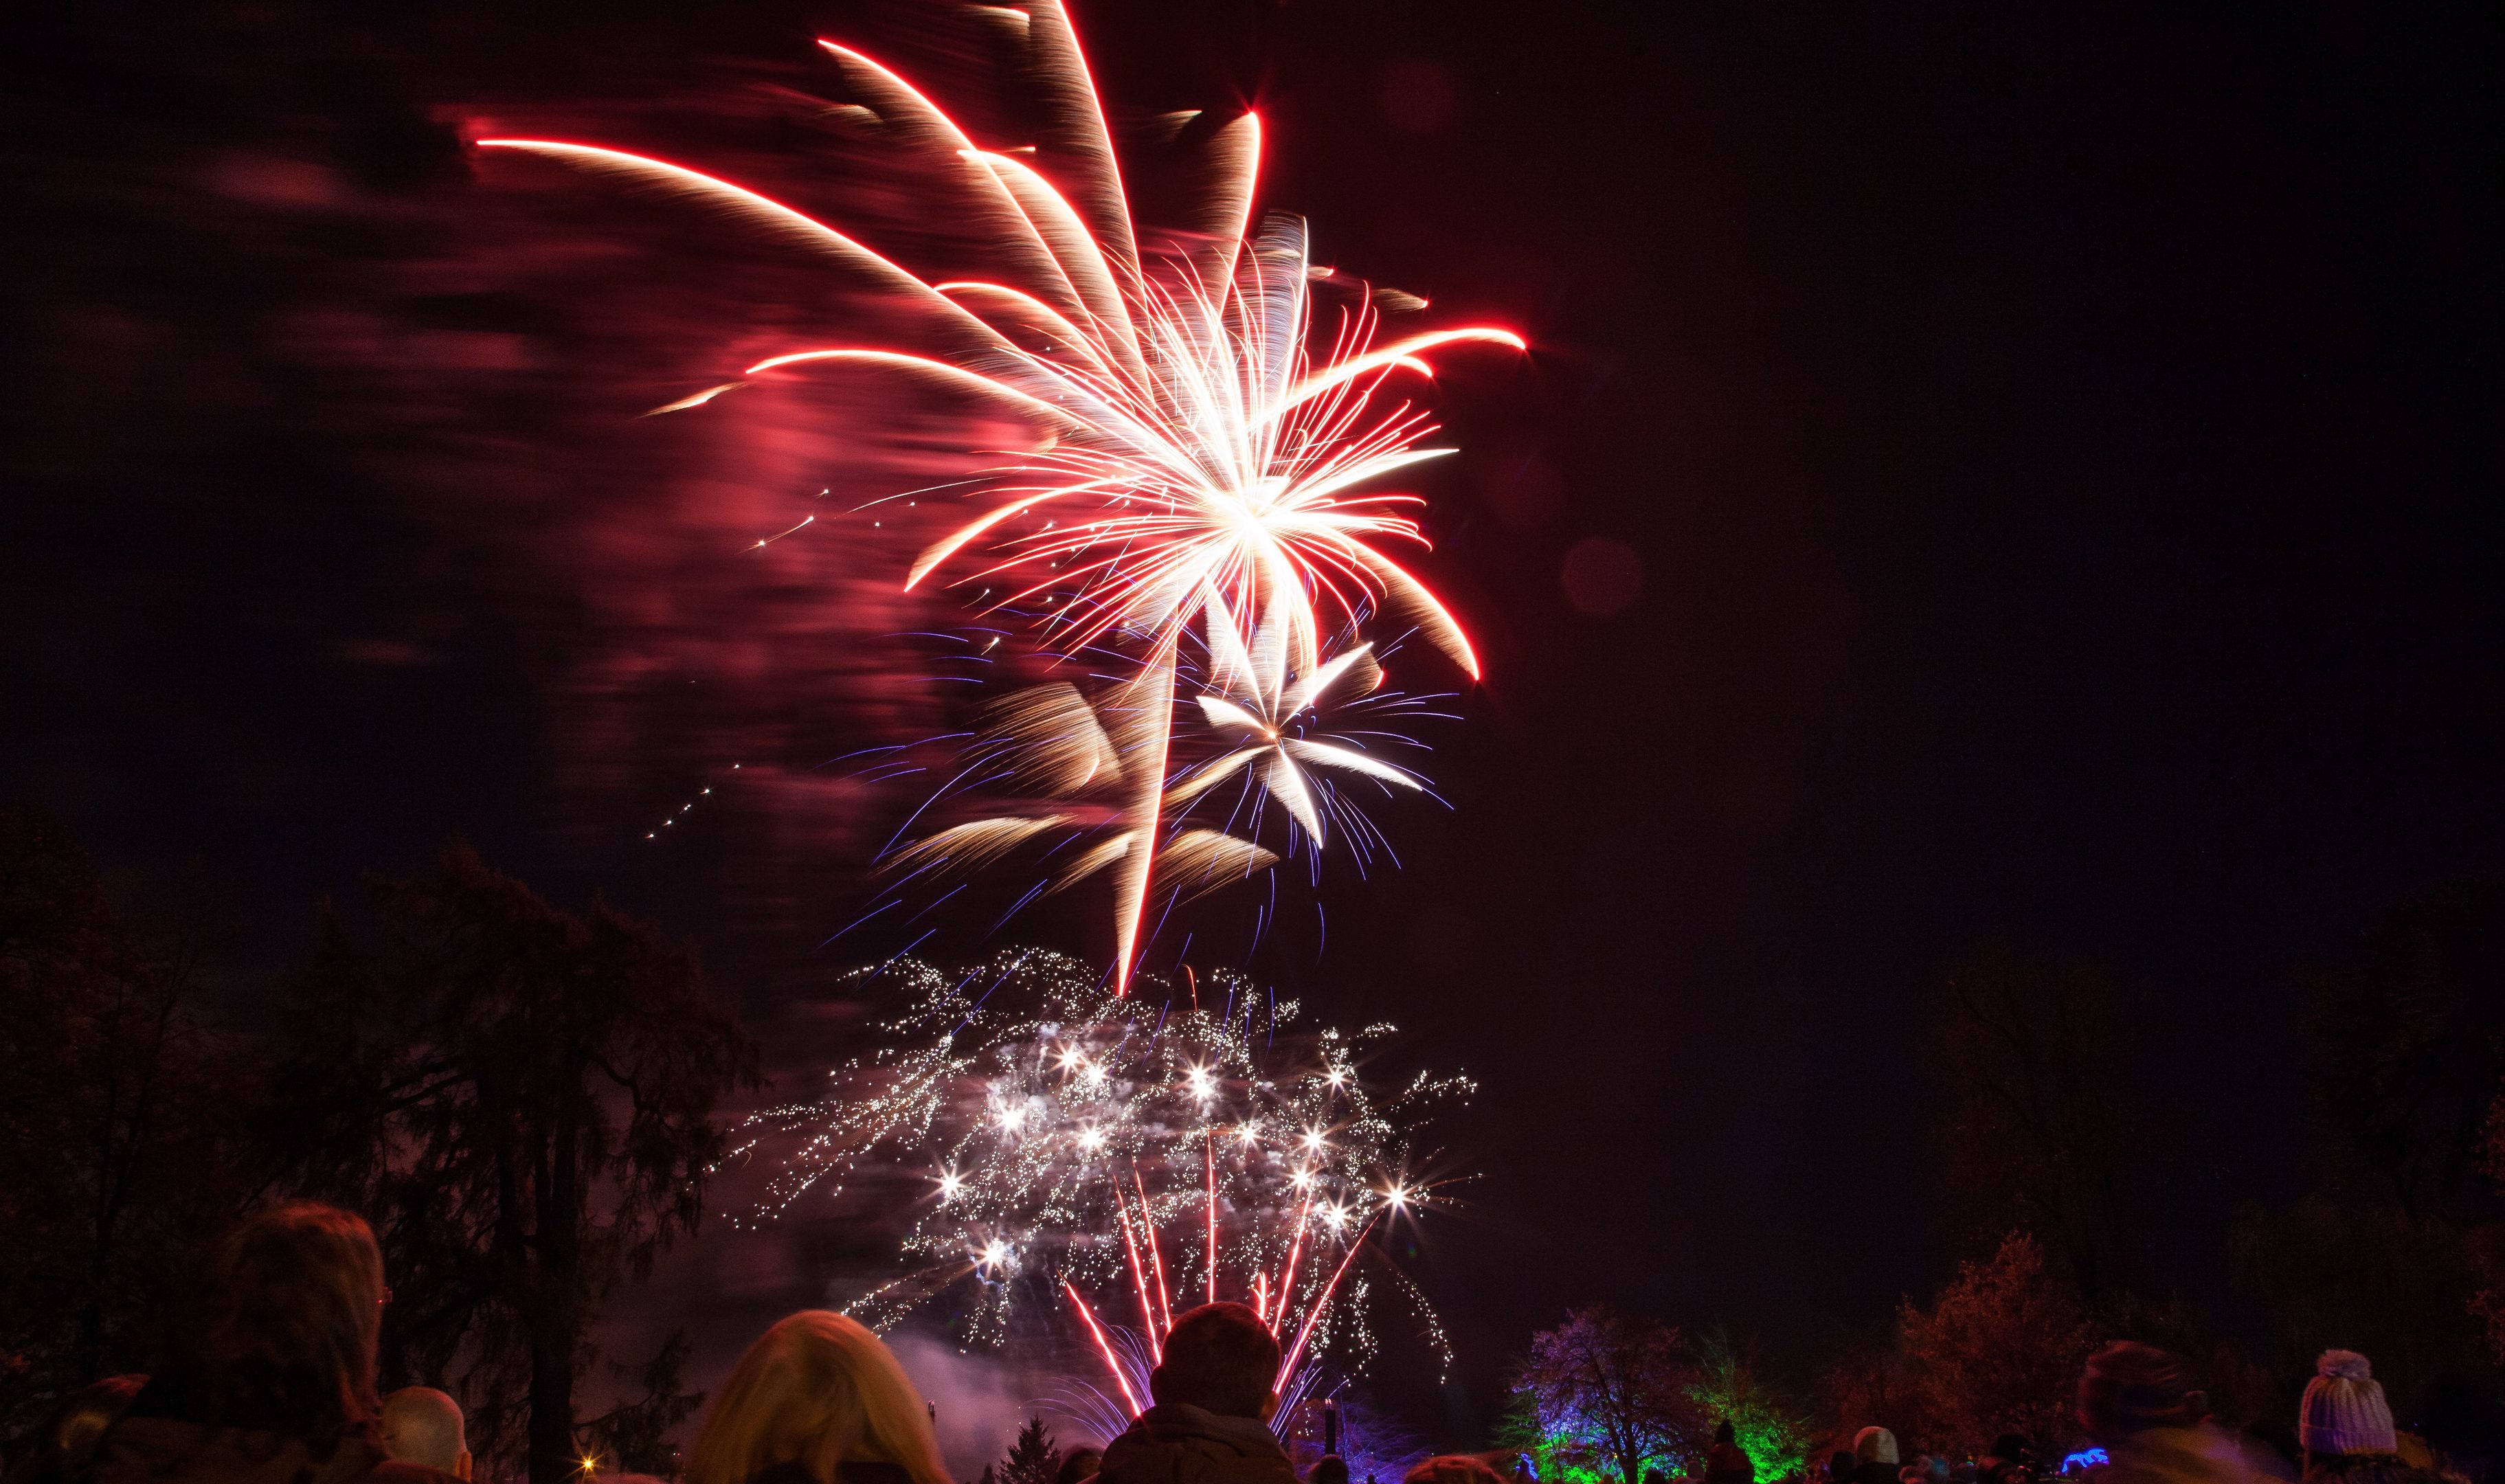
(2344, 1409)
(1874, 1445)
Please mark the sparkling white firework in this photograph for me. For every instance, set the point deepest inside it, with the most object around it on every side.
(1257, 699)
(1122, 1156)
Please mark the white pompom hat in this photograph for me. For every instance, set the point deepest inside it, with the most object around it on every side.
(2344, 1409)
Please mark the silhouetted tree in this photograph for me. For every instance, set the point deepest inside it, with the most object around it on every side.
(1032, 1458)
(1999, 1351)
(2403, 1039)
(119, 1120)
(1611, 1394)
(635, 1437)
(2488, 1243)
(2403, 1043)
(1869, 1382)
(1731, 1384)
(2362, 1275)
(524, 1101)
(2048, 1126)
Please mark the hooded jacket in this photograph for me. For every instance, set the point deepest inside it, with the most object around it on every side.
(1176, 1443)
(1727, 1463)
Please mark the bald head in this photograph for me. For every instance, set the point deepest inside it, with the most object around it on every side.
(423, 1426)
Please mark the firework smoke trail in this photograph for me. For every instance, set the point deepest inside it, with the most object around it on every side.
(1193, 453)
(1057, 1128)
(1083, 755)
(1291, 734)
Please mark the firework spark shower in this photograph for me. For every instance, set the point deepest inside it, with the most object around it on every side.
(1057, 1140)
(1214, 425)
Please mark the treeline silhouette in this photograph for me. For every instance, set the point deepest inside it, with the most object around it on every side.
(520, 1099)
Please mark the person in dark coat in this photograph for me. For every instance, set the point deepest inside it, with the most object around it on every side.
(278, 1387)
(2011, 1461)
(1215, 1396)
(1725, 1463)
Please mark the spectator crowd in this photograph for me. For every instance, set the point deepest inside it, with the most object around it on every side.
(278, 1385)
(2150, 1423)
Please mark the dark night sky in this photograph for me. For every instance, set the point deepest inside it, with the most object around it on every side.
(2060, 446)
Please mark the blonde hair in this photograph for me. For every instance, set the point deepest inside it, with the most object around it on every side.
(819, 1390)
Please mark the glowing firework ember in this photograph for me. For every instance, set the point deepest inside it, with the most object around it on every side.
(1075, 1143)
(1197, 462)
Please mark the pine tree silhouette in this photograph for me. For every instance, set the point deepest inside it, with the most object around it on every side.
(1032, 1458)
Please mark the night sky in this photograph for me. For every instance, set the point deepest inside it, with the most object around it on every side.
(2058, 453)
